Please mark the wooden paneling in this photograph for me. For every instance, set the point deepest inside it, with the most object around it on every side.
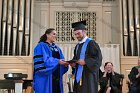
(126, 64)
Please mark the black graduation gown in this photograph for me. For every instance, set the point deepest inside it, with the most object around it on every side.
(90, 75)
(135, 87)
(114, 83)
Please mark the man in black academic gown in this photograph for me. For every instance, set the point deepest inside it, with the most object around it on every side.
(134, 77)
(88, 57)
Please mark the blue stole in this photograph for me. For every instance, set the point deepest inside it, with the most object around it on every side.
(82, 56)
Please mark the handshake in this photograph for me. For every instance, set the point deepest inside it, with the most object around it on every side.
(72, 63)
(66, 63)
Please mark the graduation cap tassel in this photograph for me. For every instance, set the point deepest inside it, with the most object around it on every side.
(72, 38)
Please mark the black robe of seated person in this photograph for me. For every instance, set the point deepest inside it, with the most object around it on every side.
(110, 80)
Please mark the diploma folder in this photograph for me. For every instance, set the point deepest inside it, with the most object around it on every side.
(71, 61)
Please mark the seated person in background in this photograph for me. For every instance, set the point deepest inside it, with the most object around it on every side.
(110, 81)
(134, 78)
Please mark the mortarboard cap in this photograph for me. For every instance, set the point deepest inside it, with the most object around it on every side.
(79, 25)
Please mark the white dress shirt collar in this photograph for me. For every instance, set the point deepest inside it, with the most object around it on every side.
(83, 40)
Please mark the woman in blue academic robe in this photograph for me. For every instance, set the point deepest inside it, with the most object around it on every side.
(49, 66)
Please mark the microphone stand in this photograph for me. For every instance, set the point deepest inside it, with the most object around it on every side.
(70, 84)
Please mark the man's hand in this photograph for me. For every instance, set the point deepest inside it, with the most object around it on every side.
(81, 62)
(139, 70)
(138, 75)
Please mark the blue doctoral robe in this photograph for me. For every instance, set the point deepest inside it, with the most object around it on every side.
(44, 66)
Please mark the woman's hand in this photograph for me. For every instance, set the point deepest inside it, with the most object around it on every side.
(62, 62)
(105, 72)
(113, 73)
(108, 90)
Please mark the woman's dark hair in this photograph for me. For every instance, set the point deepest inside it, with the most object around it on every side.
(107, 63)
(43, 38)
